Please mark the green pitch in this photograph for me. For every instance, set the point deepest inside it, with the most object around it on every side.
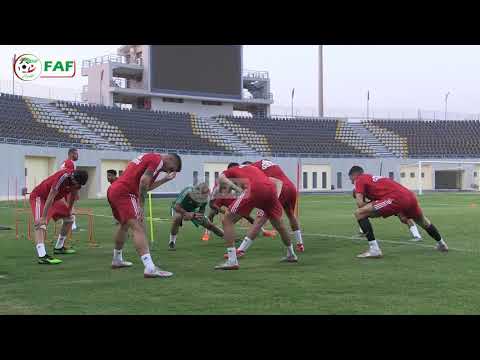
(410, 279)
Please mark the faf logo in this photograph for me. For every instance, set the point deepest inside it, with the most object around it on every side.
(28, 67)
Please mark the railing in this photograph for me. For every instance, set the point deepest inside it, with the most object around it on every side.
(268, 96)
(110, 59)
(255, 74)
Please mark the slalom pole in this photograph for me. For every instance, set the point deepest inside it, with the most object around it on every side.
(151, 218)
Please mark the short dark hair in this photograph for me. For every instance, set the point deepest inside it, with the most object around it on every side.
(112, 172)
(355, 170)
(178, 159)
(247, 162)
(71, 151)
(232, 164)
(80, 176)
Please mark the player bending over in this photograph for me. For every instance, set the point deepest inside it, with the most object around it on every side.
(42, 200)
(68, 164)
(255, 190)
(409, 222)
(388, 198)
(222, 197)
(288, 200)
(127, 199)
(190, 205)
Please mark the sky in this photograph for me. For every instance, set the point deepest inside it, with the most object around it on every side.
(399, 78)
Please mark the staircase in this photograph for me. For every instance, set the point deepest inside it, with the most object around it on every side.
(61, 117)
(379, 149)
(229, 137)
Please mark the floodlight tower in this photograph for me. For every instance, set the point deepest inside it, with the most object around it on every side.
(320, 80)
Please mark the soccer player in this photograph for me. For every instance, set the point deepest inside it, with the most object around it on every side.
(111, 176)
(222, 197)
(256, 191)
(388, 198)
(127, 198)
(48, 192)
(409, 222)
(190, 205)
(288, 200)
(69, 164)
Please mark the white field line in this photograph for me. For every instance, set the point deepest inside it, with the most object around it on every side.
(386, 241)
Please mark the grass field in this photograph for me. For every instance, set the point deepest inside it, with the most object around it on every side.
(410, 279)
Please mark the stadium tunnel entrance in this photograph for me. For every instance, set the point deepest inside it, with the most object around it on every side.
(449, 179)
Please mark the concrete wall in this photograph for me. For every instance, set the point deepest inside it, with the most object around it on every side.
(98, 88)
(12, 157)
(192, 106)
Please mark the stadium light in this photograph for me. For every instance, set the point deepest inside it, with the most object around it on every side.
(446, 103)
(320, 80)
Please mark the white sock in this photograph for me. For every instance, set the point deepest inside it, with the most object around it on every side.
(360, 230)
(298, 236)
(246, 243)
(148, 262)
(41, 250)
(290, 251)
(414, 231)
(117, 255)
(232, 255)
(263, 230)
(374, 245)
(60, 241)
(173, 238)
(74, 225)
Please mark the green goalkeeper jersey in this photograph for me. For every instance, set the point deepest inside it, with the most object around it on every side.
(188, 203)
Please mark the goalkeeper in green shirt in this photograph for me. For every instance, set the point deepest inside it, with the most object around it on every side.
(190, 205)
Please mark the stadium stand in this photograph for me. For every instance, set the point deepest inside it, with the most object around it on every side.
(286, 136)
(18, 122)
(433, 138)
(146, 129)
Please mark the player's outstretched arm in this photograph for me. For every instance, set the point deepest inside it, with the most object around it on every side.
(72, 198)
(226, 181)
(187, 215)
(166, 178)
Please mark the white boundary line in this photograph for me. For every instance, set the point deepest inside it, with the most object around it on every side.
(385, 241)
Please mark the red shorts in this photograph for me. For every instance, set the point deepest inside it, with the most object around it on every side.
(288, 199)
(405, 204)
(57, 211)
(261, 196)
(125, 205)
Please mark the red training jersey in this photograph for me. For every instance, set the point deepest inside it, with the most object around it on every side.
(377, 187)
(137, 167)
(273, 170)
(250, 176)
(68, 164)
(61, 181)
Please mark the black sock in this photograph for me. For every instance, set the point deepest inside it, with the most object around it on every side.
(367, 229)
(433, 232)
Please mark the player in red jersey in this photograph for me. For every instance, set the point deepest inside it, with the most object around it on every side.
(256, 190)
(111, 176)
(47, 193)
(127, 198)
(222, 197)
(60, 206)
(288, 199)
(388, 198)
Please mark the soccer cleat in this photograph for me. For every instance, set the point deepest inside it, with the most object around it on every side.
(205, 237)
(442, 246)
(300, 248)
(240, 253)
(157, 273)
(269, 233)
(64, 251)
(47, 260)
(171, 246)
(291, 259)
(117, 264)
(227, 265)
(371, 254)
(416, 239)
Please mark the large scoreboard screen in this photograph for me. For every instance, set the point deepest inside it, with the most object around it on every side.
(198, 70)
